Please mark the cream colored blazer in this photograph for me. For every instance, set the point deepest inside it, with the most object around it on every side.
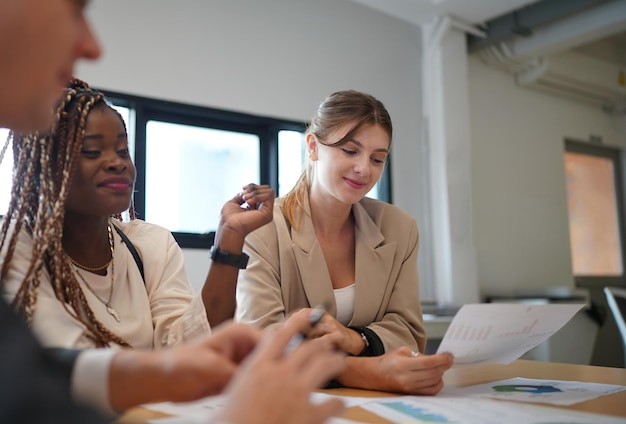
(287, 271)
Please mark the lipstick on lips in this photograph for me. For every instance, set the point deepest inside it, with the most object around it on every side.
(116, 183)
(354, 184)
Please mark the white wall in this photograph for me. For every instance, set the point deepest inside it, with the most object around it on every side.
(518, 178)
(519, 194)
(276, 58)
(281, 57)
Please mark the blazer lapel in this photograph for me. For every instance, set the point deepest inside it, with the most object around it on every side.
(312, 265)
(373, 266)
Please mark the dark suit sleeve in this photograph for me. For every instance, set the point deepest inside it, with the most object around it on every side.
(35, 382)
(376, 346)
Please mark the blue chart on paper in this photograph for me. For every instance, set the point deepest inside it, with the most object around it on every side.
(412, 411)
(527, 388)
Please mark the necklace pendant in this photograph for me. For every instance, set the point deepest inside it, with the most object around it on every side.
(113, 312)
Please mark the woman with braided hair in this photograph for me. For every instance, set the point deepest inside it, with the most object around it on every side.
(72, 268)
(40, 41)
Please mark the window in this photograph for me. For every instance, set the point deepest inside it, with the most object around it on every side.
(595, 199)
(190, 160)
(291, 159)
(216, 163)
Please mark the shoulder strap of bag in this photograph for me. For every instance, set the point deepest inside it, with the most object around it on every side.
(133, 252)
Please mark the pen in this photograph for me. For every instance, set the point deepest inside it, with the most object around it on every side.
(314, 318)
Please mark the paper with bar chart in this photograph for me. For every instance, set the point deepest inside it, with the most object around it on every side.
(500, 332)
(472, 410)
(557, 392)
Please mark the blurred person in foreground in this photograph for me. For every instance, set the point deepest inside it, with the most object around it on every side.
(40, 41)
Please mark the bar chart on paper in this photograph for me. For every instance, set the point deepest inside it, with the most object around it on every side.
(469, 332)
(501, 333)
(402, 409)
(468, 410)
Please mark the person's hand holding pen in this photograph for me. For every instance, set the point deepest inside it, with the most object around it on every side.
(273, 385)
(342, 337)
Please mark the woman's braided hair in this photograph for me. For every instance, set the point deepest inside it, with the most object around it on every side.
(43, 169)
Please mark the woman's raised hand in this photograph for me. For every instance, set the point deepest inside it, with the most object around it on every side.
(248, 210)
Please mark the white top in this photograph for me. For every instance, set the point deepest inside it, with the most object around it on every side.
(90, 379)
(160, 313)
(344, 298)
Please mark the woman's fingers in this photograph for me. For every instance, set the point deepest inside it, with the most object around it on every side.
(294, 330)
(255, 196)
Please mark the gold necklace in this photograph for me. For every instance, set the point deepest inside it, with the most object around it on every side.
(110, 309)
(86, 268)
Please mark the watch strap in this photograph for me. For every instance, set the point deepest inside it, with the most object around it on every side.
(222, 257)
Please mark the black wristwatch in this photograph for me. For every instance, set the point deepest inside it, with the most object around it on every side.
(222, 257)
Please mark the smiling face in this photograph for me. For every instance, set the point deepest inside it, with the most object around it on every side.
(105, 174)
(40, 41)
(347, 172)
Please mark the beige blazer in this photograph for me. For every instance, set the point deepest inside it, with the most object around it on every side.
(287, 271)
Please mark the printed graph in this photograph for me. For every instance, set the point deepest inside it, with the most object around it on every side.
(416, 412)
(468, 332)
(557, 392)
(476, 410)
(526, 388)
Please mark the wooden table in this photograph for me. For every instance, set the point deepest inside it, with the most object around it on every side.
(614, 404)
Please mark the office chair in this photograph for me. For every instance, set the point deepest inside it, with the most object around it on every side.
(616, 299)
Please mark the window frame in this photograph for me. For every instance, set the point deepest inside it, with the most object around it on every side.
(616, 156)
(145, 109)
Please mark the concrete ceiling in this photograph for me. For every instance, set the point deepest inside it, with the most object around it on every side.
(420, 11)
(611, 48)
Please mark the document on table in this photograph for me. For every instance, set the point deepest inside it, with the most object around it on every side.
(489, 333)
(202, 410)
(443, 408)
(555, 392)
(470, 410)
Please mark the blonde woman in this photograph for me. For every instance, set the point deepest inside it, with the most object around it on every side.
(330, 245)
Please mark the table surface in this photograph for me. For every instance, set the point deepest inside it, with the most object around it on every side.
(614, 404)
